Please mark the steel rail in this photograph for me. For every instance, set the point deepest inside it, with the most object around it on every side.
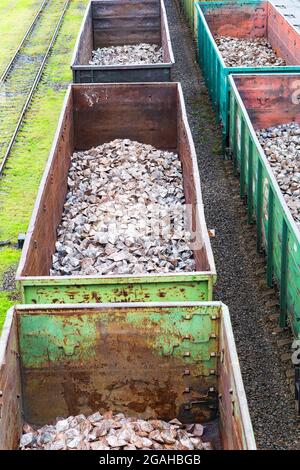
(28, 32)
(33, 88)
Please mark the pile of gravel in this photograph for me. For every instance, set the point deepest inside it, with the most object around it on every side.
(124, 213)
(272, 406)
(114, 432)
(247, 52)
(125, 55)
(281, 145)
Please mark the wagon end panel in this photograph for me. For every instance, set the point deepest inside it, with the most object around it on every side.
(192, 190)
(146, 113)
(214, 71)
(235, 423)
(10, 385)
(154, 361)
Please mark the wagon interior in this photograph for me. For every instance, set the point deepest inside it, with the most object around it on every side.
(270, 100)
(93, 115)
(254, 20)
(123, 22)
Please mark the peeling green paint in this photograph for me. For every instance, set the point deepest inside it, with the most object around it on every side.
(77, 337)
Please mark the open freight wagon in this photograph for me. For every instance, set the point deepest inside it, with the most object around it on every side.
(259, 102)
(149, 360)
(119, 23)
(247, 19)
(93, 114)
(188, 8)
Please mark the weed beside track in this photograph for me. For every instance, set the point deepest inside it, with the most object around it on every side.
(15, 18)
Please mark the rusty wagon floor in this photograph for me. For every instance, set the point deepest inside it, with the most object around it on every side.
(260, 343)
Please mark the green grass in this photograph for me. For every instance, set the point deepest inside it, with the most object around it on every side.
(5, 304)
(15, 18)
(25, 167)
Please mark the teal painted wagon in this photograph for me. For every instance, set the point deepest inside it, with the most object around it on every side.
(245, 19)
(145, 360)
(257, 102)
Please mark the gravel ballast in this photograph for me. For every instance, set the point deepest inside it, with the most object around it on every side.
(248, 52)
(270, 400)
(139, 54)
(281, 145)
(124, 213)
(114, 432)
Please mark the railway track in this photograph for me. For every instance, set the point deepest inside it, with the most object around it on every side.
(23, 73)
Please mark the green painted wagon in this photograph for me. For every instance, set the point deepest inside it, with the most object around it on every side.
(148, 360)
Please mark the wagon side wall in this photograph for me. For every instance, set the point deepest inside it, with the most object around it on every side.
(85, 42)
(283, 36)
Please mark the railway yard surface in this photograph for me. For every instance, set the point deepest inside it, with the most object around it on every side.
(264, 348)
